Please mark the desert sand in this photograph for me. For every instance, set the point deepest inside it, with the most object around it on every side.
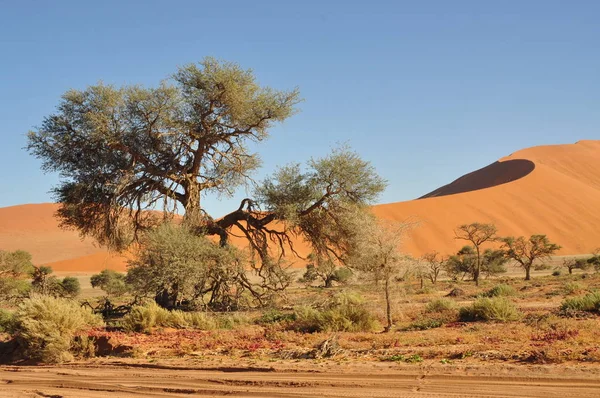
(552, 190)
(129, 379)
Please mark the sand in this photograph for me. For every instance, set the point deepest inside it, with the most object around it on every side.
(552, 190)
(129, 379)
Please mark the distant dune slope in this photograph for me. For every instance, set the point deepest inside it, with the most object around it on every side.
(559, 197)
(554, 190)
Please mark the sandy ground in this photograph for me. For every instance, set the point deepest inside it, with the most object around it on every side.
(131, 379)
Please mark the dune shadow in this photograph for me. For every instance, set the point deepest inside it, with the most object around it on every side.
(495, 174)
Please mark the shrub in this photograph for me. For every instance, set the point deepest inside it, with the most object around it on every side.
(588, 303)
(112, 282)
(501, 290)
(345, 313)
(425, 324)
(440, 305)
(572, 287)
(46, 326)
(275, 316)
(490, 309)
(70, 287)
(144, 318)
(7, 320)
(556, 272)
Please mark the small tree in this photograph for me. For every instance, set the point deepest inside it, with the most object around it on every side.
(477, 234)
(464, 263)
(15, 267)
(326, 270)
(595, 259)
(70, 287)
(42, 280)
(526, 251)
(434, 264)
(377, 255)
(112, 282)
(575, 263)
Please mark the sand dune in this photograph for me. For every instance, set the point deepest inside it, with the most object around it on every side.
(554, 190)
(559, 197)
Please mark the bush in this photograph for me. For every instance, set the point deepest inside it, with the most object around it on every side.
(490, 309)
(572, 287)
(345, 313)
(112, 282)
(144, 318)
(588, 303)
(7, 320)
(556, 272)
(440, 305)
(46, 327)
(501, 290)
(275, 316)
(70, 287)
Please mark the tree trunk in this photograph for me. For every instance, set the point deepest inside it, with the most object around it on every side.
(528, 273)
(388, 306)
(193, 211)
(478, 268)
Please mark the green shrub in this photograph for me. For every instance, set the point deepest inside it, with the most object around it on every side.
(490, 309)
(346, 312)
(275, 316)
(501, 290)
(70, 287)
(7, 320)
(440, 305)
(144, 318)
(588, 303)
(556, 272)
(112, 282)
(231, 321)
(46, 327)
(425, 324)
(572, 287)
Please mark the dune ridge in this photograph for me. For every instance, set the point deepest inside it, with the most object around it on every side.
(552, 189)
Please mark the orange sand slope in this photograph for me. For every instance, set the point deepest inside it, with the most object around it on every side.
(554, 190)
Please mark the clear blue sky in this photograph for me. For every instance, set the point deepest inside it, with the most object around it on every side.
(425, 90)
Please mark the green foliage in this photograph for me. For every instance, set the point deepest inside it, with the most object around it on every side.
(70, 287)
(588, 303)
(525, 251)
(275, 316)
(112, 282)
(464, 263)
(572, 287)
(595, 260)
(440, 305)
(144, 318)
(501, 290)
(46, 326)
(497, 309)
(345, 313)
(175, 265)
(576, 263)
(326, 270)
(14, 268)
(7, 321)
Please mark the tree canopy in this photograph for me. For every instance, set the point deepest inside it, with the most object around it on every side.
(122, 151)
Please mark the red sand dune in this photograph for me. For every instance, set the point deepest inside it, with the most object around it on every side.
(553, 190)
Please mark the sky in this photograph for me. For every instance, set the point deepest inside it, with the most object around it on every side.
(425, 90)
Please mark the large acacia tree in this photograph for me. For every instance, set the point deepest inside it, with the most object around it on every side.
(121, 151)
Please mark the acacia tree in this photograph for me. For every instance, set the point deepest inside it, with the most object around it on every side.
(123, 150)
(477, 234)
(526, 251)
(15, 267)
(434, 264)
(464, 263)
(377, 254)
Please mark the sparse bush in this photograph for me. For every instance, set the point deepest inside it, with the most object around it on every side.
(440, 305)
(112, 282)
(425, 323)
(588, 303)
(556, 272)
(345, 313)
(572, 287)
(501, 290)
(46, 327)
(275, 316)
(7, 320)
(490, 309)
(144, 318)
